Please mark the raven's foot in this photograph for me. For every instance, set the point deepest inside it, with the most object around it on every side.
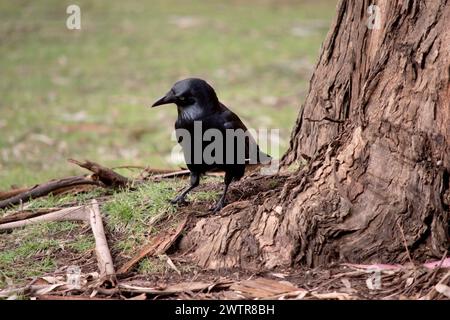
(218, 207)
(179, 200)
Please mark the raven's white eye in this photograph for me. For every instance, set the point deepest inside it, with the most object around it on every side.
(181, 98)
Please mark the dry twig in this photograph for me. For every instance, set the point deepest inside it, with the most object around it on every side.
(89, 214)
(46, 188)
(107, 176)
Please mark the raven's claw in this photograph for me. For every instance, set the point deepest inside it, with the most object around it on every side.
(219, 206)
(179, 200)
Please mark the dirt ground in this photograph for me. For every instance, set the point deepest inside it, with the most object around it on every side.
(176, 277)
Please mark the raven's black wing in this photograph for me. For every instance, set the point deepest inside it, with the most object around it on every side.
(229, 120)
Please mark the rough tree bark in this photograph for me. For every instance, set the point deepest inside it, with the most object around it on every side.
(376, 128)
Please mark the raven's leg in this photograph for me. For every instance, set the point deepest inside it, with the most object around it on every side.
(194, 182)
(221, 203)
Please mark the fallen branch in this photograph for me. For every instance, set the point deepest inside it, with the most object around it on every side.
(172, 174)
(168, 290)
(26, 214)
(182, 173)
(77, 189)
(11, 193)
(158, 245)
(89, 214)
(105, 175)
(46, 188)
(146, 169)
(102, 176)
(104, 259)
(68, 214)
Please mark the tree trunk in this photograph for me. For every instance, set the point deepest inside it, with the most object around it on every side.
(375, 128)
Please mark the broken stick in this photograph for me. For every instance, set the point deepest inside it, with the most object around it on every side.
(67, 214)
(11, 193)
(47, 188)
(105, 175)
(26, 214)
(89, 214)
(104, 259)
(171, 174)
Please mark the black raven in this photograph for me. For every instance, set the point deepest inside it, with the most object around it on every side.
(212, 137)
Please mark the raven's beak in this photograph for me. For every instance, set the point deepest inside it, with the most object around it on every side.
(168, 98)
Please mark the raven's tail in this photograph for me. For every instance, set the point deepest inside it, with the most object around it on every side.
(261, 158)
(264, 158)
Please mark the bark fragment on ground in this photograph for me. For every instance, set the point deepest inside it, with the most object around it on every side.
(334, 283)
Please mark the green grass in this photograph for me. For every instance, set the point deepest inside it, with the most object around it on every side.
(210, 195)
(151, 266)
(37, 249)
(85, 94)
(130, 217)
(52, 201)
(136, 207)
(130, 212)
(82, 244)
(34, 250)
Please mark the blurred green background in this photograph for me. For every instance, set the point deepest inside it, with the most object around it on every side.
(85, 94)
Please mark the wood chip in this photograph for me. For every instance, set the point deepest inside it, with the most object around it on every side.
(333, 296)
(443, 289)
(158, 245)
(263, 288)
(168, 290)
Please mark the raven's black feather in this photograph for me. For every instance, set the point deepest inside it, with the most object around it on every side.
(198, 105)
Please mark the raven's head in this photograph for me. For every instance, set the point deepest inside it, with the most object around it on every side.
(188, 92)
